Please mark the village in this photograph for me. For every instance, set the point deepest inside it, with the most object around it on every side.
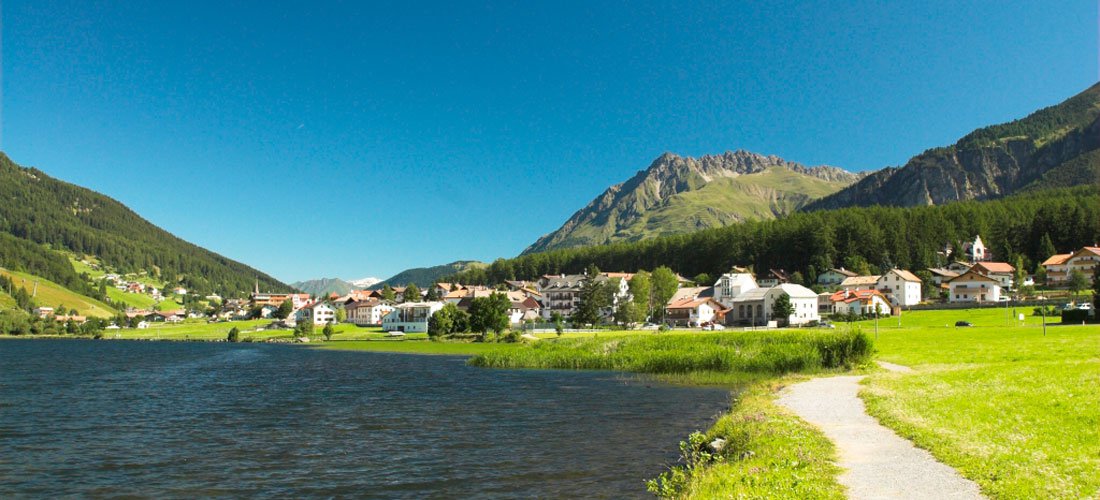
(738, 298)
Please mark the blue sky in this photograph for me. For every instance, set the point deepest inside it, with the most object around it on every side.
(348, 139)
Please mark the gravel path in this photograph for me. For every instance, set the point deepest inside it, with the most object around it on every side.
(877, 462)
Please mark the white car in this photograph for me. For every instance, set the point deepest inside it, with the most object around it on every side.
(1084, 306)
(713, 327)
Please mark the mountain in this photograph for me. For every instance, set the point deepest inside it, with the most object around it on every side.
(679, 194)
(1053, 147)
(40, 217)
(365, 282)
(324, 286)
(426, 276)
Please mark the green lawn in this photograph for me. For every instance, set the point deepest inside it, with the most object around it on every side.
(51, 294)
(136, 300)
(1014, 410)
(201, 330)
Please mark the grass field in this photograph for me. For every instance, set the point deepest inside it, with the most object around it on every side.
(201, 330)
(51, 294)
(6, 302)
(1014, 410)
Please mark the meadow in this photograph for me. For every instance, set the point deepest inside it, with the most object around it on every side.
(51, 294)
(1013, 409)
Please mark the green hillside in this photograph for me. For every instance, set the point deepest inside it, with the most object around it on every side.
(426, 276)
(39, 210)
(51, 294)
(6, 302)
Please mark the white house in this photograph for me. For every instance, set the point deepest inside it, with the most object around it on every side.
(833, 277)
(367, 312)
(854, 283)
(1084, 260)
(319, 313)
(973, 286)
(902, 286)
(860, 302)
(694, 311)
(43, 312)
(410, 317)
(755, 306)
(803, 302)
(731, 285)
(1001, 271)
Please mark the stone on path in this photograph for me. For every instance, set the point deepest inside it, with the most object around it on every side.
(878, 463)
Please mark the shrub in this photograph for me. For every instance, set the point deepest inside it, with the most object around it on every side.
(234, 335)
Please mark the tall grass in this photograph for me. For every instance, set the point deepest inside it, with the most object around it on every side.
(769, 352)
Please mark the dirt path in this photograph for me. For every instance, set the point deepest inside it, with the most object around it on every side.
(877, 462)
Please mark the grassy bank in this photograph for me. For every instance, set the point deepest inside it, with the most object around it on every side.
(1010, 408)
(709, 355)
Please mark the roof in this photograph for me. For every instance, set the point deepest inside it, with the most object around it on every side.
(940, 271)
(1087, 250)
(690, 303)
(973, 275)
(843, 272)
(860, 280)
(860, 295)
(994, 267)
(754, 295)
(1057, 259)
(687, 292)
(796, 291)
(905, 275)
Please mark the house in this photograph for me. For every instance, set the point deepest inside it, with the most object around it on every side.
(168, 316)
(694, 311)
(731, 285)
(297, 300)
(1084, 260)
(319, 313)
(367, 312)
(975, 251)
(803, 302)
(773, 278)
(527, 309)
(1000, 271)
(973, 286)
(860, 283)
(1057, 268)
(43, 312)
(825, 303)
(268, 311)
(833, 277)
(901, 286)
(958, 267)
(179, 290)
(410, 317)
(142, 325)
(941, 275)
(561, 294)
(755, 306)
(860, 302)
(80, 320)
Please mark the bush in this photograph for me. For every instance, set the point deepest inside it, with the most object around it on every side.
(1074, 316)
(234, 335)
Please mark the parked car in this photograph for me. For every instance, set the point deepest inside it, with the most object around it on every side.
(963, 323)
(1084, 306)
(713, 327)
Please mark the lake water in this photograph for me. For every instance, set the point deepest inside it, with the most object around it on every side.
(199, 419)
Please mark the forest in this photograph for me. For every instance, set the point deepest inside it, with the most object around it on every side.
(1026, 225)
(45, 211)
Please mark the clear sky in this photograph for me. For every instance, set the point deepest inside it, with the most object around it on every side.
(351, 138)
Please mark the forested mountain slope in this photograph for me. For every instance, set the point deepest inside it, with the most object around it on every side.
(38, 212)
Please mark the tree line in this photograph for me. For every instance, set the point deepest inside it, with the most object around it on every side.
(1026, 227)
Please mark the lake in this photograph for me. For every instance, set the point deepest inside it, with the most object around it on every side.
(110, 418)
